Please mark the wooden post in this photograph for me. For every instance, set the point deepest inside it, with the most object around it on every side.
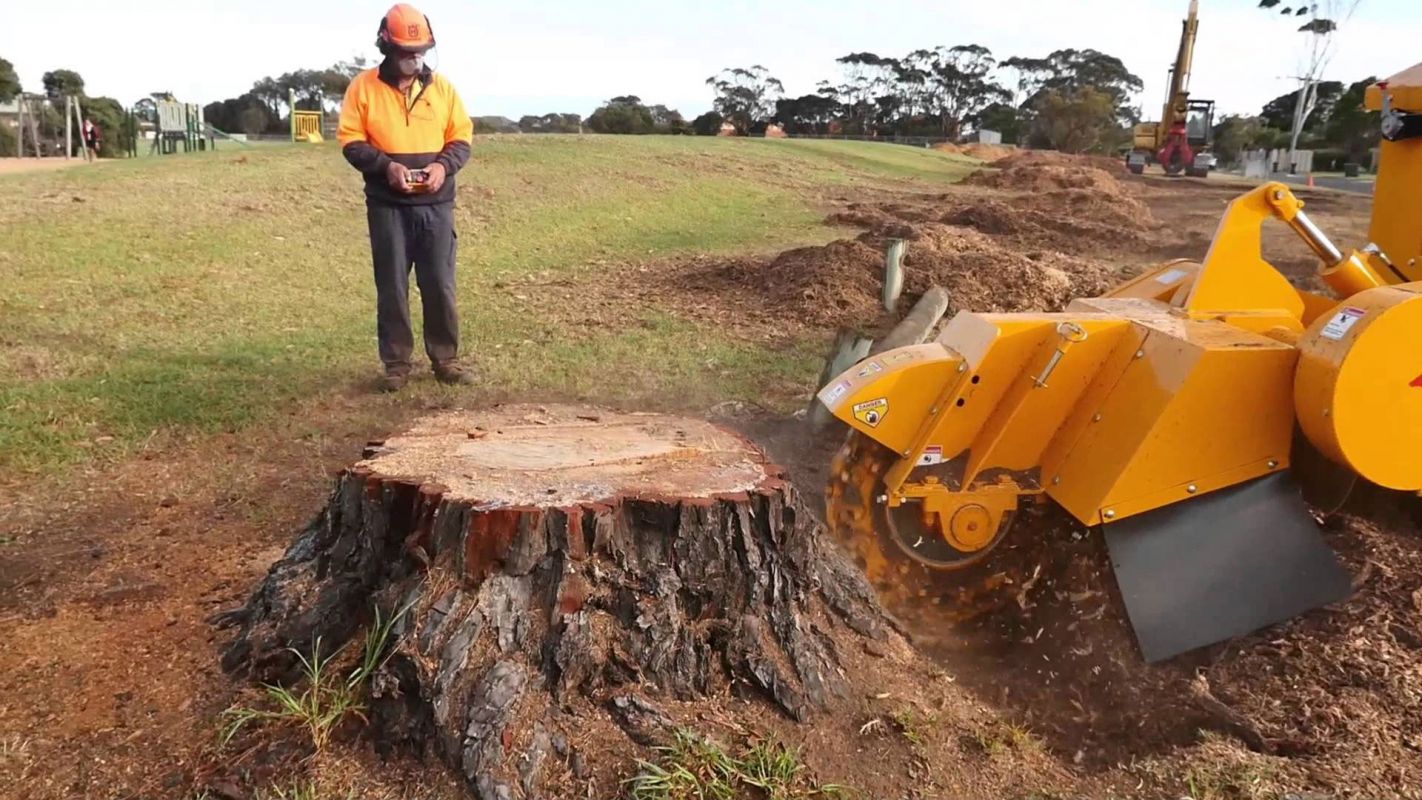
(20, 125)
(69, 128)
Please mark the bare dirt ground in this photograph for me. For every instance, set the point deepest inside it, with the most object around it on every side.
(11, 166)
(109, 685)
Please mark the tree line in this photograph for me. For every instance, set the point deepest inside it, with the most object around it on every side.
(1339, 130)
(1071, 100)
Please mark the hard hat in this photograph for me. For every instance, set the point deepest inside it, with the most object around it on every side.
(405, 28)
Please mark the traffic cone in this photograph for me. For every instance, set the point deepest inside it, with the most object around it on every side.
(1310, 180)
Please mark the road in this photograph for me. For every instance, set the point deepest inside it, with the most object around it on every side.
(1355, 185)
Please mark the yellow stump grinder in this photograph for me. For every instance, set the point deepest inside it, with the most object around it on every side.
(1181, 411)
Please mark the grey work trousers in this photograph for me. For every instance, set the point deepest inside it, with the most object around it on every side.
(421, 236)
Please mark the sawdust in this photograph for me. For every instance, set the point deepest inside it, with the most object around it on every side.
(980, 150)
(839, 282)
(1022, 158)
(1029, 237)
(1048, 177)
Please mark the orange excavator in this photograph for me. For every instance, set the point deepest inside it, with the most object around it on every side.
(1180, 142)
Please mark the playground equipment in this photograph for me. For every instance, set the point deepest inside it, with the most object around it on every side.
(180, 124)
(305, 125)
(31, 117)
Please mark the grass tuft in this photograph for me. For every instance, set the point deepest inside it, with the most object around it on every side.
(697, 768)
(327, 699)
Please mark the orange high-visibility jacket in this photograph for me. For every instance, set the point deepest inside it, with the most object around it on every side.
(380, 123)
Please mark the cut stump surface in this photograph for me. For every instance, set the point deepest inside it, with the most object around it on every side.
(563, 571)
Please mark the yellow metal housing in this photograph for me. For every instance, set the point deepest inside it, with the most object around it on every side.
(1397, 203)
(1358, 393)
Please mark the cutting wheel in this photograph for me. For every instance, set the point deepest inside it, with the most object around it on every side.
(901, 549)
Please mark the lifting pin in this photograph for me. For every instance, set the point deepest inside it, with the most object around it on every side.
(1192, 488)
(1273, 464)
(1070, 334)
(1109, 514)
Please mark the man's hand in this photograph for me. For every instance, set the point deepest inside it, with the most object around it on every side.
(436, 175)
(398, 176)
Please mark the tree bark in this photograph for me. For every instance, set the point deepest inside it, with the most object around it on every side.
(560, 565)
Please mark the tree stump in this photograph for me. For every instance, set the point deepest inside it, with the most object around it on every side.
(562, 569)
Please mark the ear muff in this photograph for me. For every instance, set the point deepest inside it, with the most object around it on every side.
(382, 38)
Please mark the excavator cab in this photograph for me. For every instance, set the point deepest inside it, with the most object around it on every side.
(1200, 135)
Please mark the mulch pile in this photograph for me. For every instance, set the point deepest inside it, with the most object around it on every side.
(1029, 235)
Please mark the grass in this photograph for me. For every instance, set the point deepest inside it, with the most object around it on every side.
(328, 699)
(1229, 781)
(913, 726)
(1000, 736)
(700, 768)
(206, 292)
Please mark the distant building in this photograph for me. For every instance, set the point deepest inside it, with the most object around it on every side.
(774, 131)
(727, 129)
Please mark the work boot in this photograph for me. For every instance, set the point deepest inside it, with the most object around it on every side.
(452, 374)
(394, 381)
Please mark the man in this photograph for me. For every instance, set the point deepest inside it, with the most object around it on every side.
(405, 129)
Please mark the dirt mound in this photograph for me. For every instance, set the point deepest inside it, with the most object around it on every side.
(1071, 220)
(839, 283)
(986, 152)
(1047, 177)
(1023, 158)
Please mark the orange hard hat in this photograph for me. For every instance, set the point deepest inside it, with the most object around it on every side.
(405, 28)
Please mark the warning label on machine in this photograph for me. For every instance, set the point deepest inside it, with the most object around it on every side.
(872, 412)
(1342, 322)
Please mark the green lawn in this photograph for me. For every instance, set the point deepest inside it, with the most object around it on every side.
(206, 291)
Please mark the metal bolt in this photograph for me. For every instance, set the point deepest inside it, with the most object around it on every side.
(933, 410)
(1278, 194)
(1273, 464)
(1327, 413)
(1109, 514)
(1140, 354)
(1192, 488)
(1096, 418)
(1057, 481)
(882, 499)
(962, 366)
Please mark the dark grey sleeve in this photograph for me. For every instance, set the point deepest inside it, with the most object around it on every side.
(454, 156)
(366, 158)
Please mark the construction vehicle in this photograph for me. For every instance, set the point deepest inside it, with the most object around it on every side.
(1181, 140)
(1181, 412)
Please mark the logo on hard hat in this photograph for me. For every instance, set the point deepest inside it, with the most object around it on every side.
(412, 31)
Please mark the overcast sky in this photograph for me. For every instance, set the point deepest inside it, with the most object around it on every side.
(513, 58)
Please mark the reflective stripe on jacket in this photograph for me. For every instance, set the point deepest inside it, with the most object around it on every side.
(380, 123)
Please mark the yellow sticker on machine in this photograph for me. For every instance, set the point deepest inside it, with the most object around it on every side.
(872, 412)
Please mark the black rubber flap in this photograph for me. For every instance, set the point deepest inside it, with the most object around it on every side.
(1225, 564)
